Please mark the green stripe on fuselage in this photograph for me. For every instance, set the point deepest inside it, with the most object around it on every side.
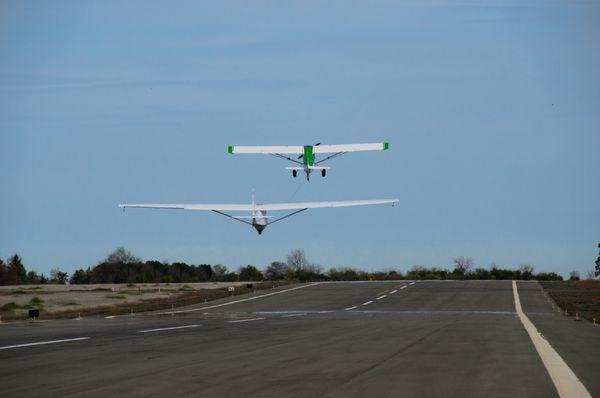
(309, 156)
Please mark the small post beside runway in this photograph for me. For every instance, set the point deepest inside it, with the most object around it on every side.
(131, 313)
(172, 310)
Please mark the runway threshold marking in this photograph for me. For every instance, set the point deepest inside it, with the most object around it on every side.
(246, 320)
(566, 382)
(171, 328)
(43, 343)
(237, 301)
(350, 308)
(380, 297)
(367, 303)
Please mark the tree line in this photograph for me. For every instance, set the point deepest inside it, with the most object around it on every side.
(121, 266)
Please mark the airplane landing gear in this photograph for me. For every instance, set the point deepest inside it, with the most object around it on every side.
(323, 172)
(294, 173)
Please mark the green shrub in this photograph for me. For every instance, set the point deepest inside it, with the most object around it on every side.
(10, 307)
(36, 301)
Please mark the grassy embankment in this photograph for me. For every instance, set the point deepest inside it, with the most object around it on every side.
(576, 297)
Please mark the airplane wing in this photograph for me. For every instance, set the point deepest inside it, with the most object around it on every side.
(266, 207)
(295, 149)
(207, 207)
(379, 146)
(317, 205)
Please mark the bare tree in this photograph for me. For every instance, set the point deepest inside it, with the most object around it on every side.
(296, 260)
(574, 275)
(58, 277)
(276, 270)
(219, 271)
(590, 275)
(463, 264)
(526, 271)
(121, 255)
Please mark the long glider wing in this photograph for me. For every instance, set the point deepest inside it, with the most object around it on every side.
(379, 146)
(207, 207)
(273, 150)
(318, 205)
(265, 207)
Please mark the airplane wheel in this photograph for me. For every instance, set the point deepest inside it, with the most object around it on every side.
(294, 173)
(323, 172)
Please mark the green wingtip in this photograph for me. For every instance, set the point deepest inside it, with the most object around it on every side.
(386, 145)
(230, 149)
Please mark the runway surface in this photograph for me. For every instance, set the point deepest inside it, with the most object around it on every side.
(391, 339)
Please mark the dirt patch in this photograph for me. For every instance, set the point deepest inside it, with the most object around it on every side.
(60, 301)
(576, 297)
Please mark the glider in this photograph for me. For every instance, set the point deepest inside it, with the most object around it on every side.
(307, 160)
(259, 218)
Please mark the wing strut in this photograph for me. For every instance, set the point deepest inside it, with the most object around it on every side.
(286, 216)
(232, 217)
(285, 157)
(335, 155)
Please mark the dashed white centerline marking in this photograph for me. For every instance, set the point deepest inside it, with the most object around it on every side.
(380, 297)
(246, 320)
(393, 291)
(367, 303)
(43, 343)
(171, 328)
(412, 283)
(404, 287)
(350, 308)
(291, 315)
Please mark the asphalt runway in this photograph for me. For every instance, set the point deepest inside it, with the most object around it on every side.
(390, 339)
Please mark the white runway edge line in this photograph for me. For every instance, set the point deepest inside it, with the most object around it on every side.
(246, 320)
(566, 382)
(238, 301)
(43, 343)
(171, 328)
(292, 315)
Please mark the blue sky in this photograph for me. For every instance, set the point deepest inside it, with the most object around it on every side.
(491, 111)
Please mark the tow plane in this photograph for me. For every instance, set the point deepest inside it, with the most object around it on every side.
(307, 160)
(258, 218)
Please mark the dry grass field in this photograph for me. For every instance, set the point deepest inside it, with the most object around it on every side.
(576, 297)
(63, 301)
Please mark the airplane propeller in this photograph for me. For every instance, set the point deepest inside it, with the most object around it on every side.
(301, 156)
